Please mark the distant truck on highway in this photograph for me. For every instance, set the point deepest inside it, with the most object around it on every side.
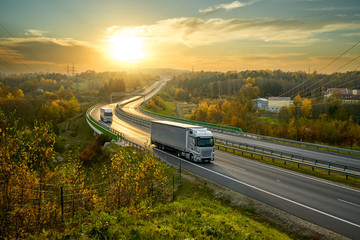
(106, 115)
(192, 142)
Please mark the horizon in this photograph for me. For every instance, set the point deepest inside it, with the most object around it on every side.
(221, 36)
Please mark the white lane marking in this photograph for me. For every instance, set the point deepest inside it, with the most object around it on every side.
(354, 204)
(290, 172)
(272, 194)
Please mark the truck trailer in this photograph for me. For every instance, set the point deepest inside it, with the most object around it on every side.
(190, 141)
(106, 115)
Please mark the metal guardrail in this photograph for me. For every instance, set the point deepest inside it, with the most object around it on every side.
(328, 168)
(293, 158)
(102, 127)
(114, 134)
(309, 145)
(288, 155)
(214, 127)
(232, 130)
(129, 117)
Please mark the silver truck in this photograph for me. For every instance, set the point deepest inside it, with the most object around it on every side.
(106, 115)
(192, 142)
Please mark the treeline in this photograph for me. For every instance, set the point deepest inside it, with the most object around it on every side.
(38, 194)
(201, 85)
(106, 83)
(304, 120)
(30, 82)
(54, 106)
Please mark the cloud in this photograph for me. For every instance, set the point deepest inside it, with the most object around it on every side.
(225, 6)
(34, 33)
(46, 51)
(193, 31)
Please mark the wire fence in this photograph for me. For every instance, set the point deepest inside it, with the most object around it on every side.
(30, 207)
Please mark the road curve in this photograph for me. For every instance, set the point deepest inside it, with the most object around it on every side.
(330, 205)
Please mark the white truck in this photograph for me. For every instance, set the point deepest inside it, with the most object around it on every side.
(192, 142)
(106, 115)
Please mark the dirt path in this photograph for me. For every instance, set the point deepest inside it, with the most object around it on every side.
(179, 112)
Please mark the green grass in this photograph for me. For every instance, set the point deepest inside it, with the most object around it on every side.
(167, 110)
(82, 134)
(187, 109)
(271, 120)
(195, 214)
(80, 85)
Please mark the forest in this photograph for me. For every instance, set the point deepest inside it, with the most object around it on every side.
(227, 98)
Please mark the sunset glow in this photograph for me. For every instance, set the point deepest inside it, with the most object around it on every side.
(219, 35)
(126, 48)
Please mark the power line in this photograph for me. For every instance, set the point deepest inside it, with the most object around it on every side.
(19, 42)
(16, 57)
(340, 56)
(329, 76)
(319, 94)
(8, 65)
(322, 68)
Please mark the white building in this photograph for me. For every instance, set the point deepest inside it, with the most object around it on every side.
(260, 103)
(275, 103)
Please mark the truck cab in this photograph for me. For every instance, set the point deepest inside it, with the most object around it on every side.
(106, 115)
(201, 145)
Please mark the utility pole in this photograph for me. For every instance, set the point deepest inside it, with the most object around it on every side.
(67, 69)
(73, 74)
(73, 70)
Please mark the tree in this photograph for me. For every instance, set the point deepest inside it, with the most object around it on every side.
(306, 108)
(295, 107)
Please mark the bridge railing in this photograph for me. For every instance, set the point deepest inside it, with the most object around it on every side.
(102, 127)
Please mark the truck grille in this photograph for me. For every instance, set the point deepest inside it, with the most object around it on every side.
(206, 153)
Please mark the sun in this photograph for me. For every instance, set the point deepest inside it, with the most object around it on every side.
(126, 48)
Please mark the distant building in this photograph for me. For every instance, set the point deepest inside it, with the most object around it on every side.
(346, 95)
(260, 103)
(39, 90)
(275, 103)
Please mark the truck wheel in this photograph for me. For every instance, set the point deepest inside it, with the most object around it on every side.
(191, 157)
(178, 153)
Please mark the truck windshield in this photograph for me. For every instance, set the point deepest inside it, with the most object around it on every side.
(205, 142)
(108, 114)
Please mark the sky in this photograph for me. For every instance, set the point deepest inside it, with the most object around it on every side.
(208, 35)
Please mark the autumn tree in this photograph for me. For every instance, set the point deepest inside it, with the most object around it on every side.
(26, 155)
(306, 108)
(135, 177)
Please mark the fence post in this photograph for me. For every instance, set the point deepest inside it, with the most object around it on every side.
(62, 203)
(173, 197)
(179, 182)
(39, 207)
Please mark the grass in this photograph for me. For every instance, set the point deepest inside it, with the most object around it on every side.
(195, 214)
(271, 120)
(187, 109)
(80, 85)
(80, 135)
(167, 110)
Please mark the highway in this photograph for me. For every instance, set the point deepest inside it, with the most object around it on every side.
(333, 206)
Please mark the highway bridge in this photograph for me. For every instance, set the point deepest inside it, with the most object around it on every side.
(331, 205)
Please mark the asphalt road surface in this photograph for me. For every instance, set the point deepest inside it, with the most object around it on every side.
(333, 206)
